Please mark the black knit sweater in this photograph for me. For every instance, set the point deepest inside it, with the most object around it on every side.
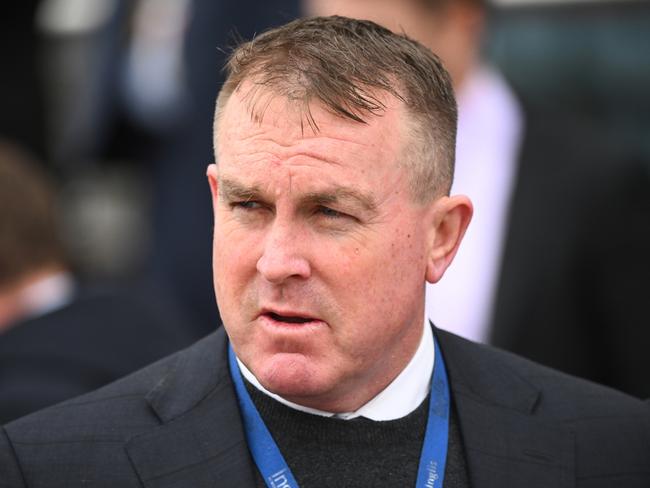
(330, 452)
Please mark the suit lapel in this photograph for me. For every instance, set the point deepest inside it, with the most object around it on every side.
(201, 442)
(505, 444)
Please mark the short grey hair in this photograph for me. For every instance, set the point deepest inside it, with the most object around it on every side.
(343, 63)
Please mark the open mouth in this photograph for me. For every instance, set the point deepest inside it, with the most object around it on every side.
(289, 320)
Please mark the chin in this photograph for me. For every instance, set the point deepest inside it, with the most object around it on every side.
(290, 376)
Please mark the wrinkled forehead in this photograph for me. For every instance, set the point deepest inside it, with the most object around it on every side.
(251, 106)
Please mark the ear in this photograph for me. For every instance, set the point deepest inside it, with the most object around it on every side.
(213, 179)
(450, 217)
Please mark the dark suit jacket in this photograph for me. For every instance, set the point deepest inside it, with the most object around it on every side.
(177, 424)
(102, 335)
(573, 287)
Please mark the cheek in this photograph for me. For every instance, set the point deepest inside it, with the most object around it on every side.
(399, 254)
(377, 288)
(393, 271)
(234, 259)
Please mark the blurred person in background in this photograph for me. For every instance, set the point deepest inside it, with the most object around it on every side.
(555, 264)
(34, 276)
(58, 338)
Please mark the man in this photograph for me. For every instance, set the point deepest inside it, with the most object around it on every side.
(334, 141)
(59, 339)
(542, 280)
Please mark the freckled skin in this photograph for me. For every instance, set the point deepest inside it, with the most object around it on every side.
(361, 273)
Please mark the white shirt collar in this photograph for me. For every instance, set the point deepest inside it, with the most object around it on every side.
(401, 397)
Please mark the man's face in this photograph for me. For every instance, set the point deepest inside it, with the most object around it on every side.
(319, 250)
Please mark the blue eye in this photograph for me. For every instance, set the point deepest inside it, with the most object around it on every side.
(248, 205)
(330, 213)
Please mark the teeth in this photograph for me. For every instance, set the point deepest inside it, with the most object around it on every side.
(291, 320)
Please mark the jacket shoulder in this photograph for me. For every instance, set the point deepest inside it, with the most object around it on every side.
(86, 436)
(567, 398)
(608, 431)
(485, 370)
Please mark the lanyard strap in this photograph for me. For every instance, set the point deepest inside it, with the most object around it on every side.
(274, 468)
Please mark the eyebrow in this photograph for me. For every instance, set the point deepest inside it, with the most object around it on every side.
(232, 190)
(341, 194)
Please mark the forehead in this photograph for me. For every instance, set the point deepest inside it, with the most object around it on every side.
(257, 121)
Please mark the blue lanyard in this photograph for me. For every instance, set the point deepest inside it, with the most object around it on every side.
(276, 472)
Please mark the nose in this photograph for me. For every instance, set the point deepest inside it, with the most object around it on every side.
(282, 257)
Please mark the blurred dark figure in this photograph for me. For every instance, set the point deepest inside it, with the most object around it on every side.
(139, 84)
(555, 263)
(59, 339)
(22, 111)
